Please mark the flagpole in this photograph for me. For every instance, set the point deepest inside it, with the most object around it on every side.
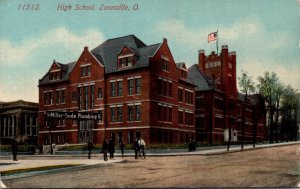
(217, 43)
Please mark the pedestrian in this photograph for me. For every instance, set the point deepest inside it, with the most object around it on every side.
(90, 147)
(142, 145)
(105, 148)
(190, 144)
(136, 148)
(122, 146)
(111, 148)
(194, 144)
(15, 149)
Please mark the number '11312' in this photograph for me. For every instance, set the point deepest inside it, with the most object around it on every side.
(29, 7)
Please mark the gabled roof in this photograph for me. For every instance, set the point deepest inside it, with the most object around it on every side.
(198, 78)
(107, 54)
(67, 68)
(108, 51)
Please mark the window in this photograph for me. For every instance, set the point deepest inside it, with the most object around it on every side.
(57, 97)
(50, 98)
(170, 89)
(54, 75)
(99, 93)
(120, 114)
(199, 103)
(85, 70)
(130, 87)
(63, 96)
(112, 89)
(188, 118)
(138, 86)
(73, 96)
(80, 98)
(120, 87)
(126, 62)
(170, 114)
(160, 86)
(180, 95)
(165, 64)
(199, 122)
(180, 117)
(86, 100)
(112, 115)
(138, 112)
(130, 113)
(189, 97)
(92, 97)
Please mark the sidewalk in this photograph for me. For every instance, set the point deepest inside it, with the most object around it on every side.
(80, 160)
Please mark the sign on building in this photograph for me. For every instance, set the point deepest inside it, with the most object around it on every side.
(74, 115)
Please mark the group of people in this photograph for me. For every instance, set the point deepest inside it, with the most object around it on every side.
(108, 147)
(139, 148)
(192, 144)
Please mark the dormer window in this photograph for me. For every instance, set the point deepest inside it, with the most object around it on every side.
(125, 61)
(183, 73)
(85, 70)
(165, 63)
(55, 75)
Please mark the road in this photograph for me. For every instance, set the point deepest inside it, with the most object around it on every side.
(269, 167)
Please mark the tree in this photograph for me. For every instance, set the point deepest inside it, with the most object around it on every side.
(278, 93)
(267, 86)
(290, 103)
(247, 86)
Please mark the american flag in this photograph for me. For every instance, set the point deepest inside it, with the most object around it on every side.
(212, 37)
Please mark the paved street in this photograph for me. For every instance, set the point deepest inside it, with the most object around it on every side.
(267, 167)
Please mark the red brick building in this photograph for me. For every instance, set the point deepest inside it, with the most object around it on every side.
(219, 106)
(138, 90)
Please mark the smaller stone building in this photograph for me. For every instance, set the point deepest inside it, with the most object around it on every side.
(18, 119)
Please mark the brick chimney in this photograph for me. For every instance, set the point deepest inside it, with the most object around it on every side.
(201, 59)
(86, 48)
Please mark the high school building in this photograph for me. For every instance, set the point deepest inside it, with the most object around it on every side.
(221, 111)
(134, 89)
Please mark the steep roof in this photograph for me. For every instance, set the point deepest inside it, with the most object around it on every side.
(67, 68)
(108, 51)
(198, 78)
(107, 54)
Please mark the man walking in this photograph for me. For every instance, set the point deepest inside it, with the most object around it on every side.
(105, 148)
(142, 145)
(90, 148)
(136, 148)
(15, 149)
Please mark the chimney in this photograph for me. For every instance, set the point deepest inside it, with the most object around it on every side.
(224, 54)
(86, 48)
(165, 40)
(201, 59)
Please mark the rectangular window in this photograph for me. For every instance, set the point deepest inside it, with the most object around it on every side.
(80, 98)
(170, 89)
(86, 98)
(138, 86)
(50, 98)
(199, 122)
(73, 96)
(180, 117)
(180, 95)
(160, 86)
(120, 114)
(57, 97)
(112, 89)
(112, 115)
(130, 87)
(99, 92)
(63, 96)
(92, 97)
(159, 113)
(170, 114)
(120, 88)
(165, 87)
(165, 64)
(165, 113)
(130, 113)
(138, 112)
(85, 71)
